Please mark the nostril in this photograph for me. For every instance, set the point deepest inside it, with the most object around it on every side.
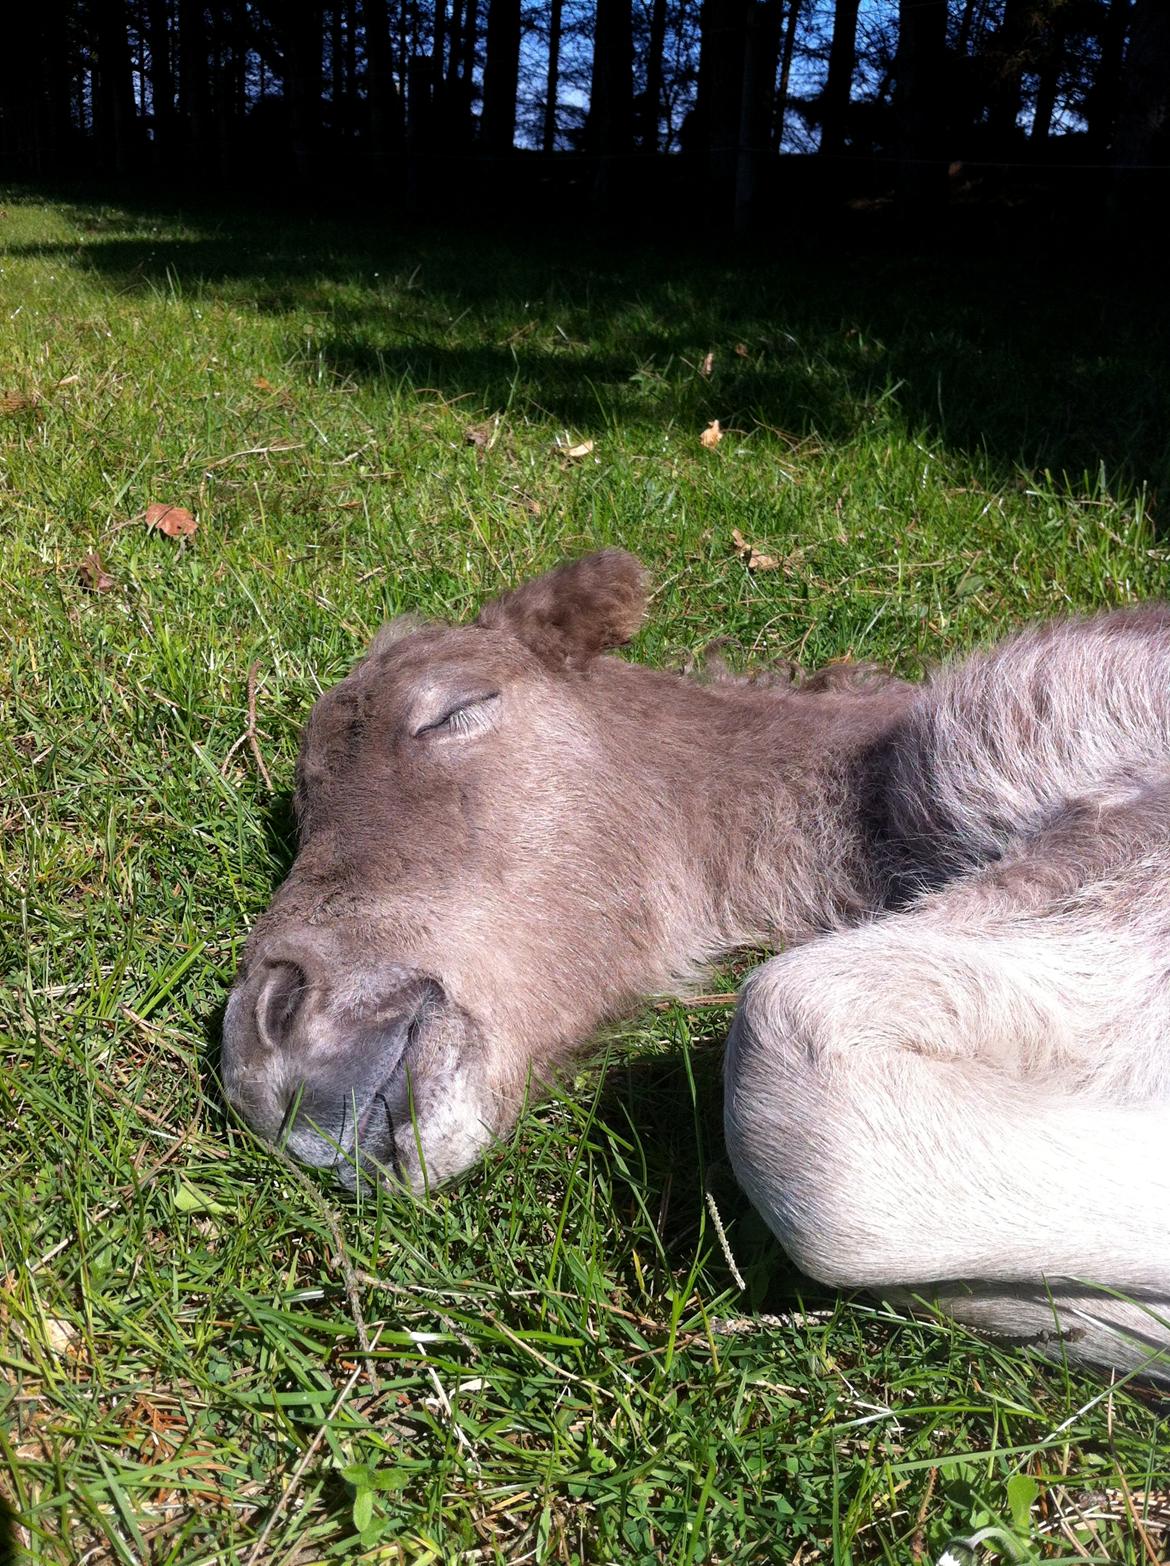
(280, 999)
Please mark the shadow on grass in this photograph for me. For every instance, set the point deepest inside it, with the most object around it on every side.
(280, 835)
(9, 1554)
(280, 839)
(1033, 361)
(669, 1110)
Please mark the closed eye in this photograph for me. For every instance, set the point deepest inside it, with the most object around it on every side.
(469, 716)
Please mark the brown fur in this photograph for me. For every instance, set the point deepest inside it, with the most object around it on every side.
(576, 611)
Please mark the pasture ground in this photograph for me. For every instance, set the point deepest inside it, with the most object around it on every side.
(562, 1368)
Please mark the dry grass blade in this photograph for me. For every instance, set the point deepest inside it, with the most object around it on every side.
(250, 731)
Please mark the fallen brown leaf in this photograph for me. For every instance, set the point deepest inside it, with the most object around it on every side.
(711, 436)
(94, 575)
(174, 521)
(753, 558)
(577, 452)
(708, 363)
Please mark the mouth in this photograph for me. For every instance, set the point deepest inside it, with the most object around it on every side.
(373, 1158)
(393, 1095)
(357, 1142)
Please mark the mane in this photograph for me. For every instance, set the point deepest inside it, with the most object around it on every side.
(709, 666)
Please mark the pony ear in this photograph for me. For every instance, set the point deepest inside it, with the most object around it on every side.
(576, 611)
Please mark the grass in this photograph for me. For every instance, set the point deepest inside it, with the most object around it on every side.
(564, 1368)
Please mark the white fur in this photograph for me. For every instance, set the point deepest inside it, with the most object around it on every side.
(977, 1088)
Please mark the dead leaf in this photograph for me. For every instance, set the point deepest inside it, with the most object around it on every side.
(711, 436)
(577, 452)
(741, 350)
(527, 503)
(753, 558)
(17, 402)
(174, 521)
(708, 363)
(481, 436)
(60, 1336)
(94, 575)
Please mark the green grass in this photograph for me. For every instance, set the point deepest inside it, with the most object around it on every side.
(564, 1368)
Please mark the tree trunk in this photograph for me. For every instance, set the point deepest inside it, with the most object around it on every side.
(1052, 57)
(652, 103)
(162, 82)
(839, 82)
(241, 49)
(552, 80)
(404, 54)
(793, 18)
(1105, 94)
(440, 128)
(35, 88)
(466, 93)
(922, 44)
(1007, 57)
(720, 97)
(498, 127)
(609, 128)
(454, 41)
(115, 113)
(56, 130)
(966, 23)
(1142, 147)
(20, 93)
(337, 63)
(225, 43)
(385, 103)
(351, 71)
(761, 47)
(303, 37)
(193, 83)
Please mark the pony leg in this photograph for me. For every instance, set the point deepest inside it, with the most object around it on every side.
(976, 1089)
(1057, 1321)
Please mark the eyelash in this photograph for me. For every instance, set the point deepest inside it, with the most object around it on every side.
(458, 720)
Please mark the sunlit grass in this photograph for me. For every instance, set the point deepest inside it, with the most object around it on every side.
(563, 1366)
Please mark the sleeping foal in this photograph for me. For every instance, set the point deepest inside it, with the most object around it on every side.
(953, 1084)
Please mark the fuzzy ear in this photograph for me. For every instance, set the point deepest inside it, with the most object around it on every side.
(577, 610)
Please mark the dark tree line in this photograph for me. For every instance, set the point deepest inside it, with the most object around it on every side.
(290, 89)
